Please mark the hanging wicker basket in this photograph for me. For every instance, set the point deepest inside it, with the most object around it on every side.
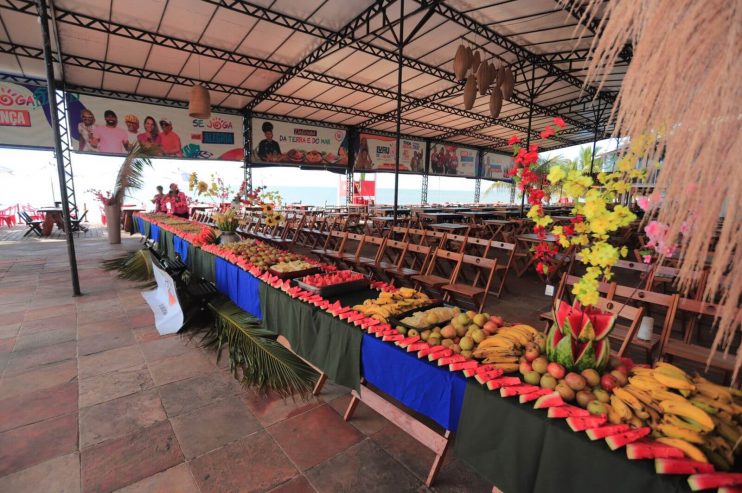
(460, 63)
(199, 102)
(495, 102)
(470, 91)
(482, 78)
(476, 60)
(507, 84)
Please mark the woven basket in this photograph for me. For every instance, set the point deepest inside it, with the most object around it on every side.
(199, 102)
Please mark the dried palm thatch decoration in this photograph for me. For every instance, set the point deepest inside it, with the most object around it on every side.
(682, 89)
(133, 266)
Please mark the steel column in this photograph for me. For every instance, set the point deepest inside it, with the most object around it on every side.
(424, 191)
(399, 109)
(246, 148)
(54, 111)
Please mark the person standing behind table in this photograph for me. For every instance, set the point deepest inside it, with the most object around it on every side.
(149, 136)
(268, 147)
(112, 139)
(168, 141)
(132, 126)
(178, 201)
(86, 128)
(159, 200)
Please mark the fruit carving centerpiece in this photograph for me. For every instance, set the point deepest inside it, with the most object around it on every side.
(578, 339)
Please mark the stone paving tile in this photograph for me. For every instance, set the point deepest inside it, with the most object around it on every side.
(213, 426)
(108, 386)
(457, 477)
(11, 330)
(144, 319)
(49, 311)
(365, 419)
(35, 443)
(255, 463)
(21, 361)
(39, 378)
(297, 485)
(186, 395)
(188, 365)
(89, 329)
(58, 475)
(177, 479)
(363, 467)
(122, 461)
(146, 334)
(46, 338)
(102, 317)
(36, 406)
(314, 436)
(271, 409)
(120, 416)
(64, 321)
(104, 342)
(165, 348)
(109, 361)
(6, 345)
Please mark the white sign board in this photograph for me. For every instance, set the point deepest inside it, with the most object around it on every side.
(163, 300)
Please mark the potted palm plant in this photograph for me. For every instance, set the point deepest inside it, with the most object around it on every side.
(129, 178)
(227, 222)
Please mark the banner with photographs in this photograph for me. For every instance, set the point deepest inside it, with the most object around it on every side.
(24, 116)
(112, 126)
(495, 166)
(284, 143)
(452, 160)
(379, 153)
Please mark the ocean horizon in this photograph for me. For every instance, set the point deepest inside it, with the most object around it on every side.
(329, 196)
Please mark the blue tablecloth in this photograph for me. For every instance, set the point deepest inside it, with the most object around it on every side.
(154, 232)
(239, 285)
(140, 225)
(432, 391)
(181, 248)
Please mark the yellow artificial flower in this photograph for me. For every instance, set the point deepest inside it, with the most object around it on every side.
(556, 174)
(202, 187)
(267, 207)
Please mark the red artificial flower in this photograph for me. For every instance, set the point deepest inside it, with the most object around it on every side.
(520, 156)
(568, 230)
(535, 196)
(577, 219)
(513, 171)
(547, 132)
(533, 148)
(513, 140)
(559, 122)
(530, 158)
(540, 268)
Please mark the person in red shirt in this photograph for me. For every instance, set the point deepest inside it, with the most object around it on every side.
(178, 201)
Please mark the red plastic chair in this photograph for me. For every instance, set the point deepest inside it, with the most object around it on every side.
(103, 216)
(8, 216)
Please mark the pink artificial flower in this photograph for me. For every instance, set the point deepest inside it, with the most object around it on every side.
(647, 259)
(559, 122)
(643, 202)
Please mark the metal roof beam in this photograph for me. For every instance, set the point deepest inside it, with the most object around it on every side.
(578, 11)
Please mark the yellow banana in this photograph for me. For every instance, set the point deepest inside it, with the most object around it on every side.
(496, 342)
(613, 417)
(711, 390)
(673, 381)
(621, 408)
(671, 419)
(673, 431)
(644, 397)
(646, 382)
(515, 336)
(666, 395)
(717, 404)
(628, 398)
(688, 410)
(691, 451)
(501, 359)
(670, 369)
(506, 367)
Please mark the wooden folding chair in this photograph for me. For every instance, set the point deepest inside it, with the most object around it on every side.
(392, 250)
(476, 292)
(442, 269)
(412, 263)
(372, 244)
(333, 244)
(349, 251)
(34, 225)
(563, 292)
(632, 316)
(672, 348)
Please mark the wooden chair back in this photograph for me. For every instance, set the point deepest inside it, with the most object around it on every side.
(484, 271)
(632, 315)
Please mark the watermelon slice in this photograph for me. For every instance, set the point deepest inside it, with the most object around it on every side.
(548, 401)
(552, 341)
(497, 383)
(599, 325)
(463, 365)
(730, 489)
(481, 369)
(417, 346)
(454, 358)
(483, 378)
(582, 423)
(649, 449)
(440, 354)
(615, 442)
(430, 350)
(699, 482)
(514, 390)
(606, 431)
(566, 411)
(681, 466)
(534, 395)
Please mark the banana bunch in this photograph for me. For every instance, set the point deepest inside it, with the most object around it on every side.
(388, 304)
(504, 348)
(692, 414)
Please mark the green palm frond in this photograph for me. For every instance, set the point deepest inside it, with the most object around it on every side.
(254, 352)
(130, 174)
(133, 266)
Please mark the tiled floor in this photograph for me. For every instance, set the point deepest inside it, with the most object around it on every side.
(92, 399)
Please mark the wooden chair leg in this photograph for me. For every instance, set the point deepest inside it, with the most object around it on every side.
(354, 400)
(320, 383)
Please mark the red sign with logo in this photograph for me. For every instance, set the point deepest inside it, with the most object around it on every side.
(15, 118)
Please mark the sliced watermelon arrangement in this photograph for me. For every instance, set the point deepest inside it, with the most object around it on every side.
(525, 398)
(606, 431)
(649, 449)
(710, 481)
(582, 423)
(681, 466)
(615, 442)
(567, 411)
(548, 401)
(578, 338)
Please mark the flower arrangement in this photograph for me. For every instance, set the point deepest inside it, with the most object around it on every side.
(216, 189)
(105, 198)
(595, 216)
(226, 221)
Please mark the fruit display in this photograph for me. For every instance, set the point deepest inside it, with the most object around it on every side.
(578, 337)
(331, 278)
(505, 347)
(699, 482)
(292, 266)
(388, 304)
(428, 318)
(260, 254)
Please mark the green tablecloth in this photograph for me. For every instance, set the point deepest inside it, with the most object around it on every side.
(166, 244)
(519, 449)
(201, 263)
(330, 344)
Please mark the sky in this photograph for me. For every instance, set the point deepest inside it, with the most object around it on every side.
(30, 177)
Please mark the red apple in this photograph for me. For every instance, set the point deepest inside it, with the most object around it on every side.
(608, 382)
(622, 369)
(532, 352)
(498, 320)
(525, 367)
(556, 370)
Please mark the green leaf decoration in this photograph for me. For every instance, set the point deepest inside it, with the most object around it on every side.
(130, 173)
(133, 266)
(263, 363)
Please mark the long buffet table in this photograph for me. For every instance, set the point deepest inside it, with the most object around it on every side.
(516, 447)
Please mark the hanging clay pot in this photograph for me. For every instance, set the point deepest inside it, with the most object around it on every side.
(507, 84)
(470, 91)
(459, 63)
(495, 102)
(476, 60)
(482, 76)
